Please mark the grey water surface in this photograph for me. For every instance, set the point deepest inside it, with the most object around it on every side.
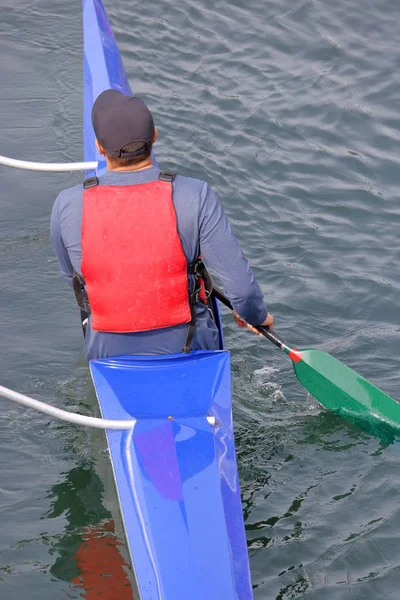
(291, 110)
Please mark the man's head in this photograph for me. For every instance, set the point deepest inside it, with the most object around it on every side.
(124, 128)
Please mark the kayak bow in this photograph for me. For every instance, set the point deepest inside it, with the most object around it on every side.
(175, 471)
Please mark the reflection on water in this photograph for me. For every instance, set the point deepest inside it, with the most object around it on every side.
(88, 553)
(358, 428)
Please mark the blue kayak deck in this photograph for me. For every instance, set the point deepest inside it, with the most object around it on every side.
(176, 473)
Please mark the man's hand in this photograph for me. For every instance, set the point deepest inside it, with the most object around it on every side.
(269, 322)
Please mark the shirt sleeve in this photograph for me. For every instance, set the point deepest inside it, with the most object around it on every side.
(61, 252)
(223, 256)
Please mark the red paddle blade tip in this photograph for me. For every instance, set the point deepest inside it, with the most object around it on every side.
(295, 355)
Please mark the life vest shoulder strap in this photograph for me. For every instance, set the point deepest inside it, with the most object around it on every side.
(167, 176)
(90, 182)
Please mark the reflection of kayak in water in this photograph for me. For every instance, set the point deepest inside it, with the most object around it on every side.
(90, 552)
(101, 565)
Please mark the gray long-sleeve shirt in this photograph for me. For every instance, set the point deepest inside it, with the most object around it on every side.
(203, 228)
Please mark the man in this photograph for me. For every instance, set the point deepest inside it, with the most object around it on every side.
(136, 236)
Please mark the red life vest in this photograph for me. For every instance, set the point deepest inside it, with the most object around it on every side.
(133, 263)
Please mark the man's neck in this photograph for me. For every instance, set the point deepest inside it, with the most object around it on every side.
(145, 164)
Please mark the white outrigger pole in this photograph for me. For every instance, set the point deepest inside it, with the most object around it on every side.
(50, 167)
(66, 415)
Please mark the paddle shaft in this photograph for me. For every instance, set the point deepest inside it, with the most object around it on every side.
(265, 331)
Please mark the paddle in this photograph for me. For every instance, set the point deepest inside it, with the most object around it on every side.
(337, 387)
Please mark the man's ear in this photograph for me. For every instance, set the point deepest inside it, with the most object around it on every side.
(99, 147)
(155, 134)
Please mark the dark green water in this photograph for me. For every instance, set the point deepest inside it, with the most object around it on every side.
(291, 110)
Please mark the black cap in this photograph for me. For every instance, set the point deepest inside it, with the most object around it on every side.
(119, 120)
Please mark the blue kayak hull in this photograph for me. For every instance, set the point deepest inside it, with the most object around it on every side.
(176, 473)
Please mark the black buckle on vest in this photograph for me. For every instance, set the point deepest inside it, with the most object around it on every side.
(197, 268)
(201, 278)
(78, 285)
(90, 182)
(167, 176)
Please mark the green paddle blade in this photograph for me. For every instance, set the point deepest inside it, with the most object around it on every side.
(342, 390)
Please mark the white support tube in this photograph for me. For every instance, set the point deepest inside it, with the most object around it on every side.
(71, 417)
(52, 167)
(65, 415)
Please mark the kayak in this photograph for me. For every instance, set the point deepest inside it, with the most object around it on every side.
(175, 471)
